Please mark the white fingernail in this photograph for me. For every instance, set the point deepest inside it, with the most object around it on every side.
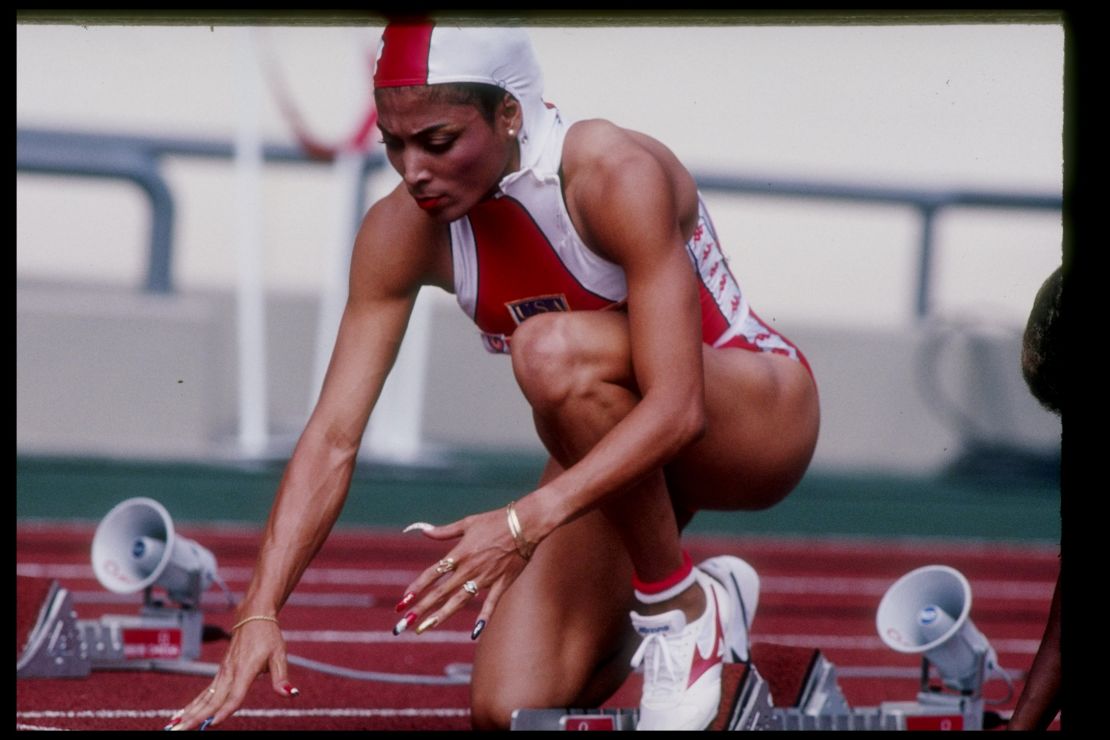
(422, 526)
(404, 623)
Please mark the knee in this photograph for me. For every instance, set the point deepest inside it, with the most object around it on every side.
(547, 362)
(489, 713)
(492, 703)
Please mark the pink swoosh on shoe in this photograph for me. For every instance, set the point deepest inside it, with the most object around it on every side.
(701, 663)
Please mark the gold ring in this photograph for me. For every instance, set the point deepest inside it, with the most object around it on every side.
(445, 566)
(471, 588)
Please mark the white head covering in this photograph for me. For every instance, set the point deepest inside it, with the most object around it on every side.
(423, 53)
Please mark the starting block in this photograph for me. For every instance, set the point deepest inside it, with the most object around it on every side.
(574, 719)
(59, 645)
(52, 646)
(786, 689)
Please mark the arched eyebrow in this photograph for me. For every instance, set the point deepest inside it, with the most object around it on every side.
(422, 133)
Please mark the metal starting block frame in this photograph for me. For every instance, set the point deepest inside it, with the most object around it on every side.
(574, 719)
(820, 705)
(62, 646)
(54, 647)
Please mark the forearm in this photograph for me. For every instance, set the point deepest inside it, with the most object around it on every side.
(309, 501)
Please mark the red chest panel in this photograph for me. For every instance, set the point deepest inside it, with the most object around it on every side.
(519, 274)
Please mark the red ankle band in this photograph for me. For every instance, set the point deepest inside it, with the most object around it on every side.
(674, 584)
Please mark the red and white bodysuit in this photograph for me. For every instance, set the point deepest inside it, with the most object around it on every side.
(517, 254)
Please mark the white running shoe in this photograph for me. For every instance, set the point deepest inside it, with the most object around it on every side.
(682, 663)
(742, 583)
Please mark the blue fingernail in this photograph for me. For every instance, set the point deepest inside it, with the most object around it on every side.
(205, 723)
(478, 627)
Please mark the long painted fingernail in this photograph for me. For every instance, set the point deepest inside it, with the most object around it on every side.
(478, 627)
(427, 624)
(422, 526)
(405, 623)
(172, 723)
(409, 597)
(290, 689)
(204, 725)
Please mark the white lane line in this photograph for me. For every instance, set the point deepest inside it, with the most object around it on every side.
(994, 589)
(804, 585)
(374, 636)
(240, 574)
(838, 642)
(53, 570)
(156, 713)
(854, 642)
(216, 599)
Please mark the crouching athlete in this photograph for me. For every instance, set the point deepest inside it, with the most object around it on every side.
(584, 252)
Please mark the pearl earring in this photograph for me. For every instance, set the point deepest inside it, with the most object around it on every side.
(512, 132)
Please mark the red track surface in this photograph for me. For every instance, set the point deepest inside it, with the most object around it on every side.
(815, 593)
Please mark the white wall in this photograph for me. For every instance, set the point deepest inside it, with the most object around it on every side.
(922, 106)
(931, 106)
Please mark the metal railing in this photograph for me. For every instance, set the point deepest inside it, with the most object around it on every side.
(928, 204)
(138, 159)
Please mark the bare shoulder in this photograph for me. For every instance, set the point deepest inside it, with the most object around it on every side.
(398, 249)
(606, 167)
(600, 148)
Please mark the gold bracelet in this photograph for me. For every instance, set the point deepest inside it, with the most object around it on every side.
(522, 545)
(256, 617)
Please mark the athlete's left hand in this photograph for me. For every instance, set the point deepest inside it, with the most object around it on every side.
(485, 561)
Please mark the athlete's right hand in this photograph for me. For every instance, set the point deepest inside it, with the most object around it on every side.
(256, 647)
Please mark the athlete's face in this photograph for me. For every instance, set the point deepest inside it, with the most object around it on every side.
(448, 155)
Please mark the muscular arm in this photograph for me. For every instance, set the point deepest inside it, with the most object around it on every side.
(628, 201)
(394, 254)
(387, 267)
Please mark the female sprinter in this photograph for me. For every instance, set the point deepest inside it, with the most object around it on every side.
(583, 251)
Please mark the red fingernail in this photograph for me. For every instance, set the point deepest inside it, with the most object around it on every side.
(409, 597)
(290, 689)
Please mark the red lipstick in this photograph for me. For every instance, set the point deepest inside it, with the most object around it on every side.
(430, 203)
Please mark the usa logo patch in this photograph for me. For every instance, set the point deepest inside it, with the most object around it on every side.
(523, 309)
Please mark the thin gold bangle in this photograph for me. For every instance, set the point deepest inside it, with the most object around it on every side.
(256, 617)
(522, 545)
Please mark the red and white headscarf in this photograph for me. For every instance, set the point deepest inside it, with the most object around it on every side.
(424, 53)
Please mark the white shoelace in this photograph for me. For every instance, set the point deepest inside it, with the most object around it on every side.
(659, 651)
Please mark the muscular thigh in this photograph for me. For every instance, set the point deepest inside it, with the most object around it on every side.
(762, 409)
(763, 419)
